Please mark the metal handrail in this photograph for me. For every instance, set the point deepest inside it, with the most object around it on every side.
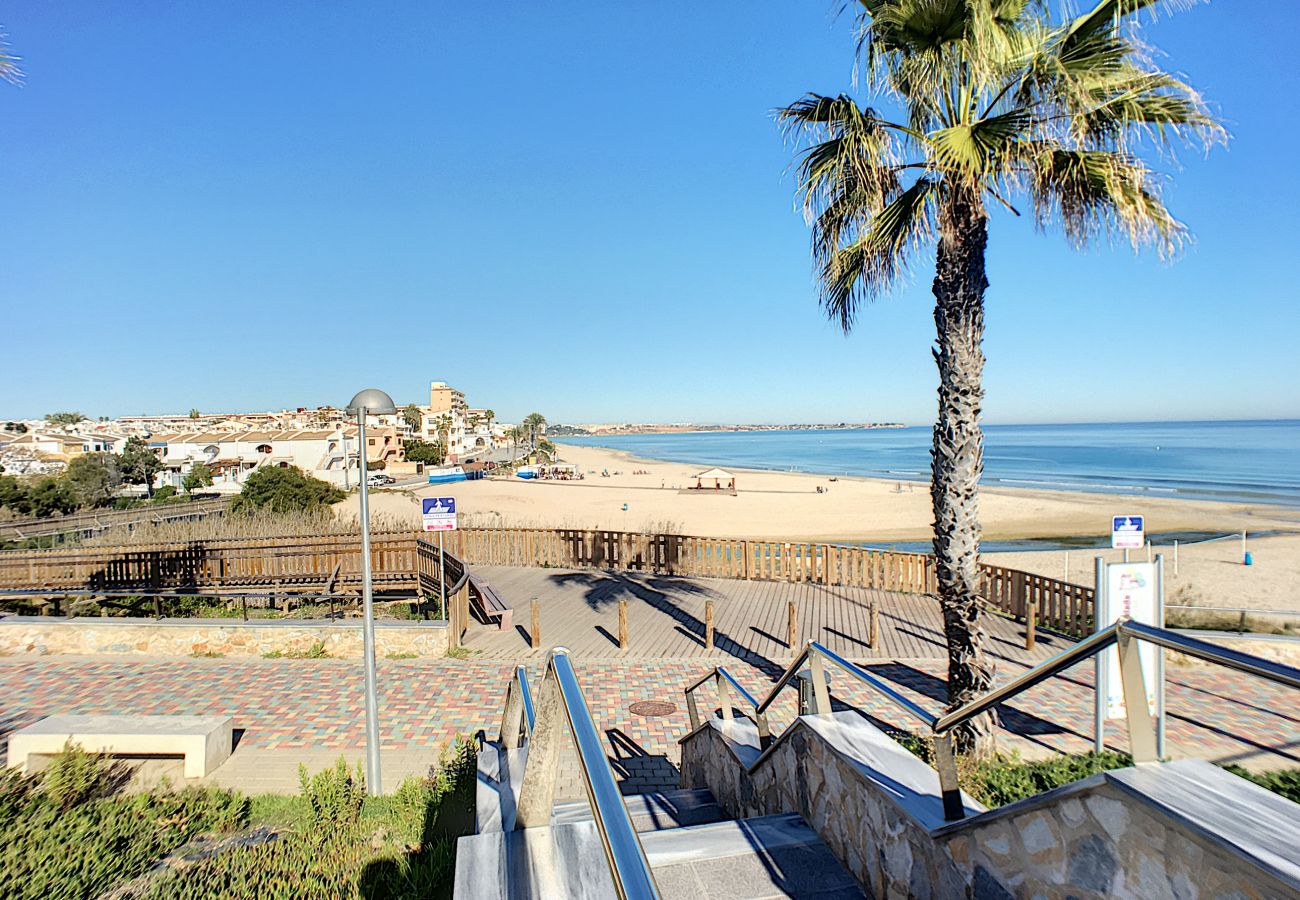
(561, 694)
(721, 679)
(1224, 656)
(1039, 673)
(526, 695)
(1124, 633)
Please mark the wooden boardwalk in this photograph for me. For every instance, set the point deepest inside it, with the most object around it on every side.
(579, 610)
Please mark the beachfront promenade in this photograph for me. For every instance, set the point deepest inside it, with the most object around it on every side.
(288, 711)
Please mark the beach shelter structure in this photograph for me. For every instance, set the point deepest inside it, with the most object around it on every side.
(715, 479)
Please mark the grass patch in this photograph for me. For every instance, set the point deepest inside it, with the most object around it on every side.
(405, 655)
(459, 652)
(315, 651)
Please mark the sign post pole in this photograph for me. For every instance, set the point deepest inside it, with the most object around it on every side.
(442, 578)
(1160, 658)
(1099, 615)
(439, 514)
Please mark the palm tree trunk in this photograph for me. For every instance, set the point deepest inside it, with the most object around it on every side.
(957, 455)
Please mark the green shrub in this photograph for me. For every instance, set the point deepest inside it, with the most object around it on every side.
(164, 493)
(402, 845)
(1282, 781)
(74, 776)
(1005, 779)
(333, 795)
(64, 837)
(284, 490)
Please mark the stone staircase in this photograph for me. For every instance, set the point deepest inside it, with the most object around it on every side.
(693, 848)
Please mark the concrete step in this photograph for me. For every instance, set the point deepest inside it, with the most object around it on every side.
(747, 859)
(652, 812)
(752, 859)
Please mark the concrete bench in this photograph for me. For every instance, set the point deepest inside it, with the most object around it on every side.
(204, 741)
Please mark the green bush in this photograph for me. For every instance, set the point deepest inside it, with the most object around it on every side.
(333, 795)
(75, 777)
(284, 490)
(65, 838)
(1005, 779)
(401, 845)
(1282, 781)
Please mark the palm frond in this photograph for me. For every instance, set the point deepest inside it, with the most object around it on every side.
(1089, 192)
(973, 151)
(853, 150)
(10, 71)
(868, 266)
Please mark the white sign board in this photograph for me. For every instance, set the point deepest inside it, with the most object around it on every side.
(439, 513)
(1130, 591)
(1126, 532)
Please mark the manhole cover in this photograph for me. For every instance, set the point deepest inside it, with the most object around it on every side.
(652, 708)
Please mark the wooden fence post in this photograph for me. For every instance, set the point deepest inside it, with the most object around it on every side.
(622, 624)
(792, 627)
(874, 636)
(1031, 615)
(535, 631)
(708, 624)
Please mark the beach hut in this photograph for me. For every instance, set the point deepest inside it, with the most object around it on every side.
(715, 479)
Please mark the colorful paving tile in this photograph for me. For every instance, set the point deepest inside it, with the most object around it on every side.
(290, 704)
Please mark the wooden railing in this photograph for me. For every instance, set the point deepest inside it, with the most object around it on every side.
(676, 554)
(1055, 604)
(1059, 605)
(217, 563)
(407, 559)
(459, 585)
(98, 521)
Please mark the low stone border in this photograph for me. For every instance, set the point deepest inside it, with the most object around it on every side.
(42, 635)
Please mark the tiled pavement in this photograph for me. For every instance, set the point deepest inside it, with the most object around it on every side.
(316, 705)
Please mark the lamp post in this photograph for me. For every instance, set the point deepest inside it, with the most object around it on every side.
(376, 402)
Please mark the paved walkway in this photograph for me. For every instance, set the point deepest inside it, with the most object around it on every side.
(285, 707)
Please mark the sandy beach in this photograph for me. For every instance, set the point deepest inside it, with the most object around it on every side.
(784, 505)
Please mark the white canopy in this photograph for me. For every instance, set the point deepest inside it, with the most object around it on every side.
(716, 473)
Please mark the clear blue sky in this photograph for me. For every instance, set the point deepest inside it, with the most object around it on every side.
(576, 207)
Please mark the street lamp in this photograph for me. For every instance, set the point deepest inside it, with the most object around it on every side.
(371, 401)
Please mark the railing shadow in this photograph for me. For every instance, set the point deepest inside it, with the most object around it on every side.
(605, 588)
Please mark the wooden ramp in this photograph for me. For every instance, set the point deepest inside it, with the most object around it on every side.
(579, 609)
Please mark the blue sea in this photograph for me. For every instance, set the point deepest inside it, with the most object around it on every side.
(1253, 462)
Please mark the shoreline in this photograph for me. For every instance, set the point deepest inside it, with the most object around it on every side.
(787, 507)
(1175, 513)
(1283, 510)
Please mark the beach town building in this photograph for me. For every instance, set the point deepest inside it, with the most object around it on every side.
(328, 454)
(443, 398)
(41, 451)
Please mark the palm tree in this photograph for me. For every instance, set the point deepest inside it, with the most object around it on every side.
(995, 101)
(516, 434)
(534, 423)
(443, 425)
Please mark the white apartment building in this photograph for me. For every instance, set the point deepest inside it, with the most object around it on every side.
(328, 454)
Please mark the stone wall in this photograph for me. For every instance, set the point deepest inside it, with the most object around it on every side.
(24, 635)
(1184, 830)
